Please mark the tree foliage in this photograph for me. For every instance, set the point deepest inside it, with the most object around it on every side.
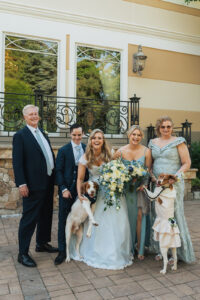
(98, 79)
(188, 1)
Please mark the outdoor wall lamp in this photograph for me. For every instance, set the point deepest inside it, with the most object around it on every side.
(139, 61)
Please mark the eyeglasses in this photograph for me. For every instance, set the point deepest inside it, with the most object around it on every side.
(168, 127)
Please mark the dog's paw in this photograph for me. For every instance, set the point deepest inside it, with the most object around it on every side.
(95, 224)
(174, 268)
(67, 259)
(88, 235)
(163, 272)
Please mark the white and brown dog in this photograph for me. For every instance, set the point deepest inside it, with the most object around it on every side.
(79, 212)
(166, 231)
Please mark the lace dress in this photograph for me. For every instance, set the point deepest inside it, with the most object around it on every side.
(109, 246)
(167, 160)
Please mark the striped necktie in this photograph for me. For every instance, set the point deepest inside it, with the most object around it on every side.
(40, 142)
(78, 153)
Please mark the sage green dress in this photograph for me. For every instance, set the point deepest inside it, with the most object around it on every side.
(132, 201)
(167, 160)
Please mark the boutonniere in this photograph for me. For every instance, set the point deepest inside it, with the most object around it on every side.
(172, 222)
(45, 132)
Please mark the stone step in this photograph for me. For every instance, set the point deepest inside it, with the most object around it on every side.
(63, 139)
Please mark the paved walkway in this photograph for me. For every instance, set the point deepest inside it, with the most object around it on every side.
(76, 280)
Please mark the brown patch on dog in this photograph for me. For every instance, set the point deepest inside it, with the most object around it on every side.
(96, 186)
(167, 179)
(84, 187)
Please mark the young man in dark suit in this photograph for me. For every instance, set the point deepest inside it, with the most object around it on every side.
(33, 164)
(66, 176)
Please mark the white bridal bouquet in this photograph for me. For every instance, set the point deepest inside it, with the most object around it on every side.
(114, 175)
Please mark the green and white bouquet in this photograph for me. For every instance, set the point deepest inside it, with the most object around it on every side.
(113, 177)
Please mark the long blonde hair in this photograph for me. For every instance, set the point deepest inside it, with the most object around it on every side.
(105, 155)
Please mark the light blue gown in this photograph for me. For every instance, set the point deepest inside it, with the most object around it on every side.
(132, 204)
(109, 246)
(167, 160)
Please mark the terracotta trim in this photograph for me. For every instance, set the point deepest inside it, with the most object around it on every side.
(168, 6)
(167, 65)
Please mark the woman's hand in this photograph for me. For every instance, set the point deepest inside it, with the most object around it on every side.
(82, 198)
(141, 188)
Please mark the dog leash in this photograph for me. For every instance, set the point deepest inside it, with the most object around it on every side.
(152, 198)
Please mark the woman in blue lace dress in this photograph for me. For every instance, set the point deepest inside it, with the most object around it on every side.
(170, 155)
(138, 205)
(109, 246)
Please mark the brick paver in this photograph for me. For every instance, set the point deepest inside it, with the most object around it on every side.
(75, 280)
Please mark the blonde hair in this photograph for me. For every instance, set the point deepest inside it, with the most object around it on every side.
(24, 111)
(159, 123)
(105, 151)
(133, 128)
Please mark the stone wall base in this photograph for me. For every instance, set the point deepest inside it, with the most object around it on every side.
(11, 201)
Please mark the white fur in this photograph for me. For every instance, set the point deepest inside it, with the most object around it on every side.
(164, 251)
(79, 212)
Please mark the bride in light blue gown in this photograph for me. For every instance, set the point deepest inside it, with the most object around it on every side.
(109, 246)
(138, 205)
(170, 155)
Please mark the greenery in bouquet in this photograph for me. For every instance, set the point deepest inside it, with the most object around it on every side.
(138, 173)
(113, 177)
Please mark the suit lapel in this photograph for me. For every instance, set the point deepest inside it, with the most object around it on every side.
(71, 153)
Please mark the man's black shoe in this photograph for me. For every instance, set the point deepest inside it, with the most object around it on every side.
(26, 260)
(60, 258)
(46, 248)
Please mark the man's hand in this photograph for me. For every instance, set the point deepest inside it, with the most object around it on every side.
(67, 194)
(24, 190)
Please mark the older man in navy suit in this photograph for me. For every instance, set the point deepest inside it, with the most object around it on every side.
(66, 176)
(33, 164)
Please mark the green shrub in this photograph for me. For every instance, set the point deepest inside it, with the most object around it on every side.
(195, 184)
(195, 156)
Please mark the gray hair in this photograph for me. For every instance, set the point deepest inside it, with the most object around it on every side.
(24, 111)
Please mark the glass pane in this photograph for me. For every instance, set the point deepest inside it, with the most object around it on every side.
(29, 63)
(98, 80)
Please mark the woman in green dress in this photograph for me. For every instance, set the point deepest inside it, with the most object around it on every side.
(170, 155)
(138, 206)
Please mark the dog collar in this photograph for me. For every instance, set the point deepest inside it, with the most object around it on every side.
(92, 200)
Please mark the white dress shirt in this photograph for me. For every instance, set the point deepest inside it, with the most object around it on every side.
(46, 144)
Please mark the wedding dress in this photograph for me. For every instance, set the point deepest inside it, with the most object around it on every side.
(109, 246)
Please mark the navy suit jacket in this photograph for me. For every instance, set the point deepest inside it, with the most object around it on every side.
(66, 169)
(29, 163)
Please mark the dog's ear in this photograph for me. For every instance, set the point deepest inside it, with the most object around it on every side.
(96, 186)
(83, 187)
(172, 179)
